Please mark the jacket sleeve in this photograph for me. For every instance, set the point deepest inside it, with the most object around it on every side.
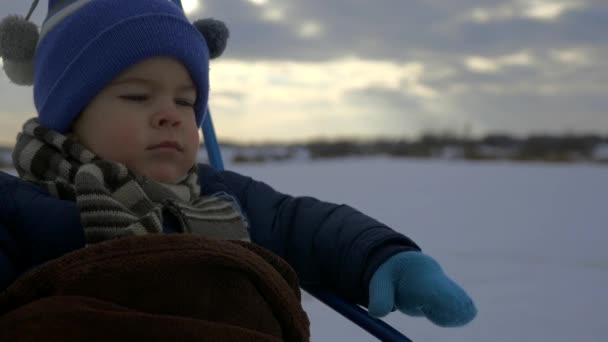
(331, 245)
(7, 258)
(34, 227)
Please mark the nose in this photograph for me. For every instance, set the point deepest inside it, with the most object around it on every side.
(167, 116)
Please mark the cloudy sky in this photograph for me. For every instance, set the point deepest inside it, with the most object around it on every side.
(297, 69)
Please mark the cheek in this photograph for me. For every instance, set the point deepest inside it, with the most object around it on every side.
(118, 141)
(192, 141)
(193, 136)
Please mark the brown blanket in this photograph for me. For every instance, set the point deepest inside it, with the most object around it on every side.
(157, 288)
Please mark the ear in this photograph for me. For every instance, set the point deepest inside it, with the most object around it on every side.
(216, 35)
(18, 40)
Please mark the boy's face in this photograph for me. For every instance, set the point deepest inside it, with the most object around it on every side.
(145, 120)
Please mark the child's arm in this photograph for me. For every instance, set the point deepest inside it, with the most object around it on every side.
(346, 251)
(7, 253)
(8, 247)
(34, 227)
(329, 244)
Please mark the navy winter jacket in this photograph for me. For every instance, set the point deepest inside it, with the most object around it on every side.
(327, 244)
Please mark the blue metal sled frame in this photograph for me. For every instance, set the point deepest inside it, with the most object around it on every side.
(353, 312)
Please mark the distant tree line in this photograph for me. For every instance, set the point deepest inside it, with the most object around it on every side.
(496, 146)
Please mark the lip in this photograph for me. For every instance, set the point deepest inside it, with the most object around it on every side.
(168, 144)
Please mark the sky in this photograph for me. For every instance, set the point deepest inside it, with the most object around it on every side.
(303, 69)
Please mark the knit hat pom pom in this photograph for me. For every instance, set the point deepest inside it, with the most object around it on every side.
(20, 73)
(18, 40)
(216, 35)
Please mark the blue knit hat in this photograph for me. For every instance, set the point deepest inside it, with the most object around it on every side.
(84, 44)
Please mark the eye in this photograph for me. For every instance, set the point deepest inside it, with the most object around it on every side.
(135, 98)
(184, 102)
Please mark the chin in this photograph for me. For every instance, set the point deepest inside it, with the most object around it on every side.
(166, 180)
(165, 176)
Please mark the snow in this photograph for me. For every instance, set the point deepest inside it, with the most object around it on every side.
(526, 240)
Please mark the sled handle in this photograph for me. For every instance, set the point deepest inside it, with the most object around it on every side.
(213, 149)
(376, 327)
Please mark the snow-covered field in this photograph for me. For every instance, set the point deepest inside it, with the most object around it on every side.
(529, 242)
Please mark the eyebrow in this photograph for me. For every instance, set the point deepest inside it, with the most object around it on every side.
(149, 82)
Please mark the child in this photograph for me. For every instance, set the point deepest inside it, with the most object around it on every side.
(121, 89)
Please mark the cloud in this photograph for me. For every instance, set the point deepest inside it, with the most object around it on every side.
(394, 112)
(582, 26)
(315, 30)
(491, 65)
(304, 99)
(191, 6)
(296, 68)
(557, 114)
(310, 29)
(576, 56)
(326, 79)
(541, 10)
(324, 30)
(258, 2)
(273, 15)
(534, 71)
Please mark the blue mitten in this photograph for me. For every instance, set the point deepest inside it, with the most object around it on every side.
(415, 284)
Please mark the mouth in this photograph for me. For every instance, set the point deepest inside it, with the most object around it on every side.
(167, 145)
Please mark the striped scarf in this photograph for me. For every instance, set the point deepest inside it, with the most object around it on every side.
(113, 201)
